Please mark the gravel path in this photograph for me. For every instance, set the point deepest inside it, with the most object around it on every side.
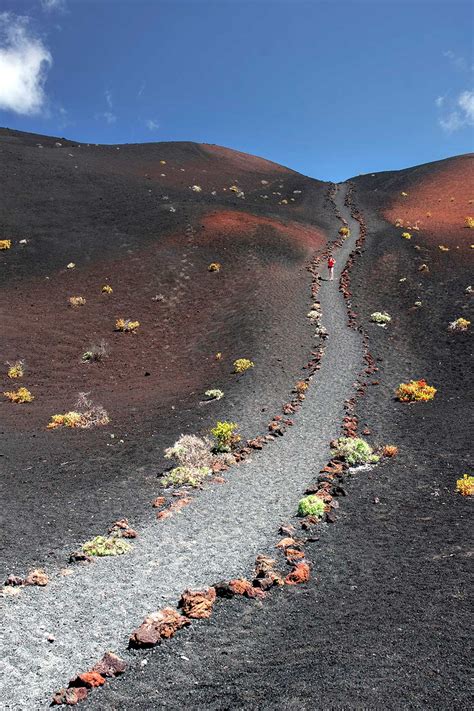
(218, 536)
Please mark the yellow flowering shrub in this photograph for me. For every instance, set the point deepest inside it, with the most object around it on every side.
(126, 326)
(214, 267)
(5, 243)
(69, 419)
(301, 387)
(16, 370)
(406, 235)
(344, 231)
(107, 289)
(21, 395)
(465, 485)
(242, 364)
(415, 391)
(460, 324)
(469, 222)
(225, 435)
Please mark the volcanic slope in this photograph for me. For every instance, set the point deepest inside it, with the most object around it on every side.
(148, 220)
(382, 623)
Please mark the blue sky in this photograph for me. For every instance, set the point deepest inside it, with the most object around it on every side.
(331, 89)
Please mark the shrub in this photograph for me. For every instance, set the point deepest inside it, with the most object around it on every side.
(406, 235)
(465, 485)
(242, 364)
(107, 289)
(389, 450)
(194, 458)
(16, 369)
(415, 391)
(5, 243)
(96, 353)
(380, 317)
(214, 267)
(214, 394)
(106, 545)
(71, 265)
(225, 435)
(218, 356)
(311, 505)
(196, 188)
(84, 415)
(20, 396)
(344, 231)
(460, 324)
(443, 248)
(126, 326)
(301, 386)
(355, 451)
(469, 222)
(75, 301)
(404, 194)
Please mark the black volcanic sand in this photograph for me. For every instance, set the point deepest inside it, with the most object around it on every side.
(385, 619)
(105, 209)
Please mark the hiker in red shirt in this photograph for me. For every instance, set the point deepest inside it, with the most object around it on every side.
(331, 263)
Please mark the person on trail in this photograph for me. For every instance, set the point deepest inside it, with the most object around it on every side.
(331, 263)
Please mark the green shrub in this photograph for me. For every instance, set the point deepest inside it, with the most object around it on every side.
(226, 438)
(380, 317)
(215, 394)
(186, 476)
(106, 545)
(311, 505)
(355, 451)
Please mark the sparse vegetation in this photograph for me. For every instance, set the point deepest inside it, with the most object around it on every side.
(225, 436)
(344, 231)
(460, 324)
(107, 289)
(5, 244)
(214, 267)
(194, 457)
(242, 364)
(406, 235)
(355, 451)
(106, 545)
(465, 485)
(16, 369)
(76, 301)
(415, 391)
(469, 222)
(96, 354)
(71, 265)
(380, 317)
(19, 396)
(196, 188)
(84, 415)
(215, 394)
(443, 248)
(126, 325)
(311, 505)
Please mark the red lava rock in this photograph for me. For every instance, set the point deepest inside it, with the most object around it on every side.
(219, 467)
(180, 503)
(331, 517)
(197, 604)
(309, 522)
(366, 431)
(90, 680)
(157, 626)
(14, 580)
(122, 528)
(288, 409)
(165, 513)
(110, 665)
(299, 574)
(159, 502)
(238, 587)
(80, 557)
(292, 555)
(37, 577)
(287, 530)
(285, 542)
(271, 578)
(218, 480)
(256, 443)
(69, 697)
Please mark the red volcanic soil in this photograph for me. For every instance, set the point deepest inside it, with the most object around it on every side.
(110, 211)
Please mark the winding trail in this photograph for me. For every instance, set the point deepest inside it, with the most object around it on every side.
(218, 537)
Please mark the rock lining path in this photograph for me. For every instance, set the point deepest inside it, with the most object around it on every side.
(217, 537)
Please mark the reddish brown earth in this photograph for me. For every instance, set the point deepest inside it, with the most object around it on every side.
(107, 209)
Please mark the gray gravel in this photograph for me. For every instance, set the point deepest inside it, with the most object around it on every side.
(95, 608)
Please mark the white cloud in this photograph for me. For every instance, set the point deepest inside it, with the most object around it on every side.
(50, 5)
(108, 98)
(152, 125)
(142, 88)
(461, 114)
(456, 60)
(107, 116)
(439, 101)
(24, 64)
